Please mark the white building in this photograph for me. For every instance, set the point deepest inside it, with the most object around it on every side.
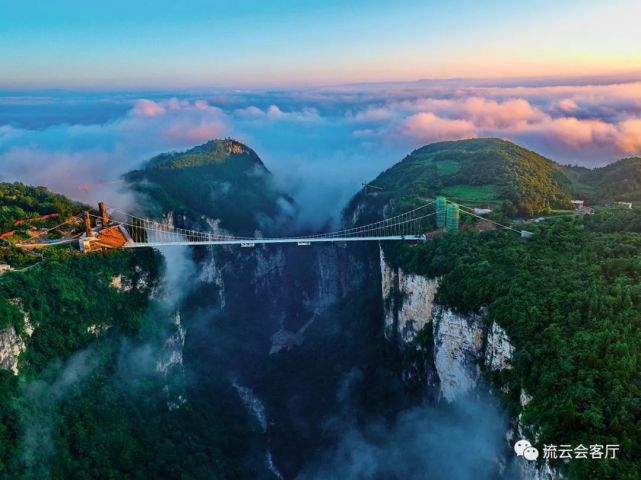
(578, 204)
(482, 211)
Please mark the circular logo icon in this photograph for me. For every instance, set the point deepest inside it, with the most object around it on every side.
(520, 446)
(530, 453)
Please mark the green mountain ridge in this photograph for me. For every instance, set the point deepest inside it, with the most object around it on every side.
(211, 153)
(222, 179)
(619, 180)
(476, 171)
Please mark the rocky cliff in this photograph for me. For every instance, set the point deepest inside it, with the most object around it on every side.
(12, 343)
(461, 345)
(459, 349)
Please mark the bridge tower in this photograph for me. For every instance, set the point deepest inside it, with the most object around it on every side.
(452, 215)
(104, 216)
(441, 207)
(88, 227)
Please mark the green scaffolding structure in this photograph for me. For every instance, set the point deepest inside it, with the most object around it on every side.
(452, 216)
(441, 206)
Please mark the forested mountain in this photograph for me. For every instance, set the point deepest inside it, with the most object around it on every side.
(569, 298)
(620, 180)
(484, 171)
(220, 179)
(23, 207)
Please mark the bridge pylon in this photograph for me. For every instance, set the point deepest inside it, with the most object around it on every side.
(441, 207)
(452, 217)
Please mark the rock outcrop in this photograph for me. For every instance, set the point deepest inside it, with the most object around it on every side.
(12, 343)
(172, 352)
(462, 346)
(458, 340)
(498, 351)
(409, 301)
(11, 346)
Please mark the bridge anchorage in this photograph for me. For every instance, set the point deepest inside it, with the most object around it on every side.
(123, 230)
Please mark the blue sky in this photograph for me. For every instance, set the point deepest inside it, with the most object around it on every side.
(177, 44)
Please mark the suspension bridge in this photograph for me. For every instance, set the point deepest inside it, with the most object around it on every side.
(119, 229)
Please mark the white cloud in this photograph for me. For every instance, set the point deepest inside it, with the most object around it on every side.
(325, 142)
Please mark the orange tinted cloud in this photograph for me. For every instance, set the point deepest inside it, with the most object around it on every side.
(629, 136)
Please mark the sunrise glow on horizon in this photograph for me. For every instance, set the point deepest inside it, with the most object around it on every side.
(69, 44)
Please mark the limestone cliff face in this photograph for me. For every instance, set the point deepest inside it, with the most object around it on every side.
(458, 340)
(462, 347)
(499, 351)
(408, 313)
(458, 352)
(170, 362)
(211, 273)
(11, 346)
(12, 343)
(522, 468)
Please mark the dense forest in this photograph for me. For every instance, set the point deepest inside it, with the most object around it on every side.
(570, 300)
(620, 180)
(20, 202)
(88, 401)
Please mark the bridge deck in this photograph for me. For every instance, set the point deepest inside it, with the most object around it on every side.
(251, 242)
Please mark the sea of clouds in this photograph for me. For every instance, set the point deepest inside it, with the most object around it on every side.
(320, 143)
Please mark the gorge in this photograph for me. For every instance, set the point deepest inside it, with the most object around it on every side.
(341, 361)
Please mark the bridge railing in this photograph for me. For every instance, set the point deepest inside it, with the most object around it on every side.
(145, 231)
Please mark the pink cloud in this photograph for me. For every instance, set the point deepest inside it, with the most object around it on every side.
(568, 105)
(187, 132)
(617, 131)
(629, 136)
(629, 90)
(427, 126)
(486, 113)
(147, 108)
(572, 132)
